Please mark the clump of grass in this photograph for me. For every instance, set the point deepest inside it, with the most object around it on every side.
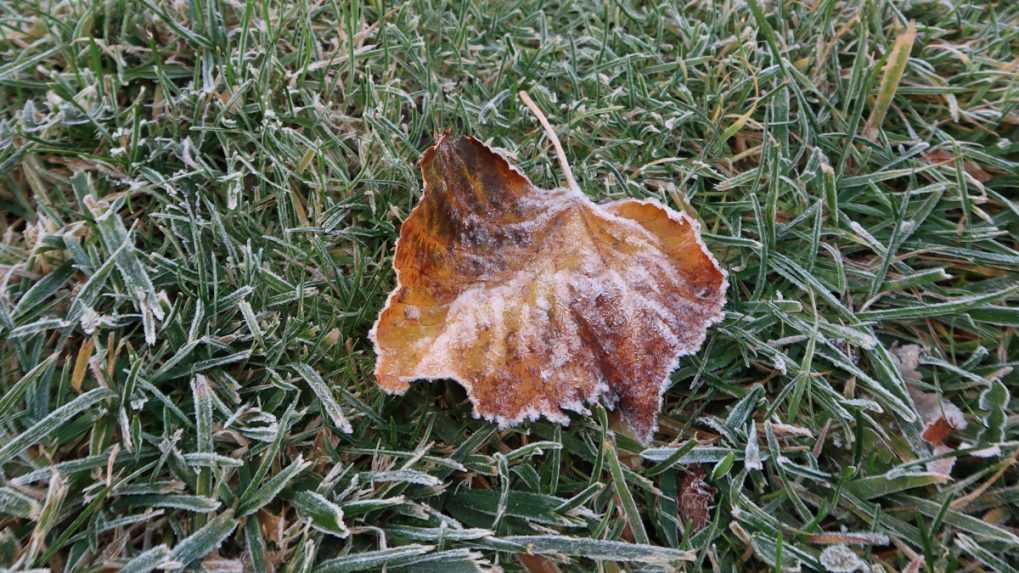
(199, 204)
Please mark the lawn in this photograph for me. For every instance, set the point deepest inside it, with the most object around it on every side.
(200, 201)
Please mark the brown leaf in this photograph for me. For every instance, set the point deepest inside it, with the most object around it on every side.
(539, 301)
(937, 431)
(695, 498)
(940, 417)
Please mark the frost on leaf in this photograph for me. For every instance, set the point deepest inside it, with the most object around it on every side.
(540, 301)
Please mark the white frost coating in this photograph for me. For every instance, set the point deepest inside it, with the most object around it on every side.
(752, 454)
(991, 452)
(942, 466)
(480, 309)
(841, 559)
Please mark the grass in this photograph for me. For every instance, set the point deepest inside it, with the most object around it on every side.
(200, 201)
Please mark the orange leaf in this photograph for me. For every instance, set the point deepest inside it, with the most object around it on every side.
(539, 301)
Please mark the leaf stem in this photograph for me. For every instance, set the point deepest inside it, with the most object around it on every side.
(570, 181)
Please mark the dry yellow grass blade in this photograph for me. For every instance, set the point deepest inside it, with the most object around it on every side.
(81, 363)
(894, 69)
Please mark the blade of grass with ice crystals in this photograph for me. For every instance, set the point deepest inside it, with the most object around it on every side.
(502, 467)
(580, 498)
(461, 560)
(532, 449)
(41, 325)
(201, 394)
(741, 411)
(11, 69)
(324, 395)
(371, 560)
(17, 504)
(52, 422)
(203, 541)
(873, 487)
(437, 534)
(196, 39)
(599, 549)
(901, 228)
(147, 560)
(401, 476)
(673, 459)
(553, 465)
(165, 400)
(968, 523)
(996, 315)
(191, 503)
(325, 515)
(534, 507)
(257, 499)
(991, 560)
(934, 310)
(174, 360)
(202, 397)
(67, 468)
(698, 455)
(203, 365)
(114, 236)
(13, 394)
(630, 510)
(88, 292)
(255, 546)
(916, 279)
(363, 506)
(270, 453)
(42, 290)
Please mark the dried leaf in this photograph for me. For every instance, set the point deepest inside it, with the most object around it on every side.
(940, 417)
(695, 498)
(539, 301)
